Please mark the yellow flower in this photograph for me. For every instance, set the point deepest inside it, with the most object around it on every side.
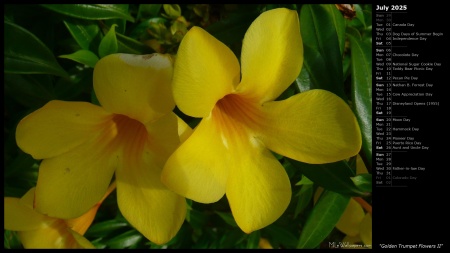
(355, 223)
(38, 231)
(264, 244)
(130, 136)
(229, 151)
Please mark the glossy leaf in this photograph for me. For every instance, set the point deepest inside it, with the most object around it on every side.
(140, 30)
(24, 53)
(354, 32)
(303, 81)
(11, 240)
(360, 14)
(338, 23)
(121, 24)
(125, 240)
(322, 219)
(131, 46)
(228, 218)
(331, 176)
(108, 45)
(230, 238)
(92, 11)
(253, 240)
(363, 182)
(105, 228)
(322, 55)
(233, 28)
(82, 56)
(304, 197)
(361, 69)
(197, 219)
(304, 181)
(85, 32)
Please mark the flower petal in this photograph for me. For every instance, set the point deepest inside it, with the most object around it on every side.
(258, 188)
(20, 217)
(55, 236)
(205, 71)
(70, 184)
(264, 244)
(184, 130)
(58, 127)
(366, 229)
(81, 224)
(146, 203)
(163, 138)
(81, 241)
(360, 166)
(272, 54)
(351, 218)
(349, 241)
(315, 127)
(137, 86)
(198, 169)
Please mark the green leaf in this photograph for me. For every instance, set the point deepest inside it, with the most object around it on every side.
(105, 228)
(94, 99)
(82, 56)
(85, 32)
(148, 10)
(125, 240)
(304, 198)
(198, 219)
(131, 46)
(304, 181)
(121, 24)
(279, 234)
(24, 53)
(79, 82)
(361, 69)
(29, 90)
(232, 28)
(289, 92)
(20, 175)
(92, 11)
(323, 218)
(322, 57)
(231, 238)
(303, 81)
(20, 163)
(253, 240)
(331, 176)
(108, 45)
(363, 182)
(173, 11)
(338, 23)
(360, 14)
(228, 218)
(140, 31)
(11, 240)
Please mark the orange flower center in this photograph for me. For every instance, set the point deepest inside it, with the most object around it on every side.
(237, 114)
(129, 135)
